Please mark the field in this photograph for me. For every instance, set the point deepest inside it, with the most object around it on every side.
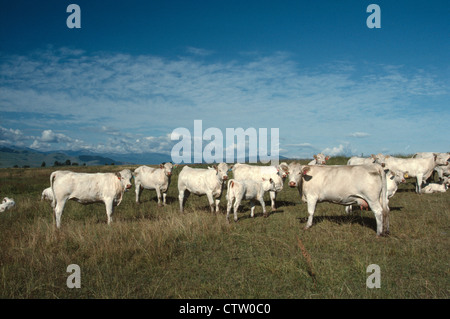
(157, 252)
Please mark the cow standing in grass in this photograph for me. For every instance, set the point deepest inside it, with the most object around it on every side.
(247, 189)
(257, 172)
(202, 181)
(345, 185)
(153, 178)
(86, 188)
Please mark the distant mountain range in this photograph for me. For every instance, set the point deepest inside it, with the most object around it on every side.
(13, 156)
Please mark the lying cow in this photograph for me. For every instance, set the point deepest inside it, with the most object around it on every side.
(420, 168)
(319, 159)
(202, 181)
(345, 185)
(7, 203)
(88, 188)
(153, 178)
(247, 189)
(258, 172)
(434, 188)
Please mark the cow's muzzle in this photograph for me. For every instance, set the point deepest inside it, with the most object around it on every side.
(225, 177)
(292, 184)
(128, 186)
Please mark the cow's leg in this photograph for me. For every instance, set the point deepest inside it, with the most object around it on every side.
(164, 198)
(58, 211)
(183, 195)
(109, 210)
(217, 204)
(348, 209)
(419, 180)
(252, 208)
(229, 206)
(273, 196)
(311, 209)
(158, 195)
(381, 217)
(138, 192)
(263, 205)
(237, 203)
(210, 200)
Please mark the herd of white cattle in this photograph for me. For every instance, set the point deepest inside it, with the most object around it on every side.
(367, 182)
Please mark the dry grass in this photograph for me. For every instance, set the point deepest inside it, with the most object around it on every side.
(151, 252)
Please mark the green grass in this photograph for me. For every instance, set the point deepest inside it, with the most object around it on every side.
(152, 252)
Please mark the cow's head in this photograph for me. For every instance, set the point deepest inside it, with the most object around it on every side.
(269, 185)
(283, 170)
(321, 159)
(222, 171)
(125, 178)
(167, 167)
(296, 172)
(380, 159)
(441, 159)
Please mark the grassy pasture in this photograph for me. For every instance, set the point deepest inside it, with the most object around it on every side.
(153, 252)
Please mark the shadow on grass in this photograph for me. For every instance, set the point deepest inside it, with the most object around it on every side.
(354, 218)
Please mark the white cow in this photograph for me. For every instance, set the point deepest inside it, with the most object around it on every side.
(247, 189)
(434, 188)
(355, 160)
(47, 194)
(7, 203)
(420, 168)
(202, 181)
(257, 172)
(319, 159)
(153, 178)
(442, 170)
(86, 188)
(345, 185)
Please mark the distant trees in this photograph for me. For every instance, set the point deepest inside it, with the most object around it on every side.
(66, 163)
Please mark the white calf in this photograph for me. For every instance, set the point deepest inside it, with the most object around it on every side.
(434, 188)
(247, 189)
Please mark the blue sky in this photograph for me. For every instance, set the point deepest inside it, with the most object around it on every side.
(137, 70)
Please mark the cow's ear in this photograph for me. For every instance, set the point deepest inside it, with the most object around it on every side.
(373, 156)
(118, 175)
(215, 167)
(305, 170)
(315, 156)
(161, 165)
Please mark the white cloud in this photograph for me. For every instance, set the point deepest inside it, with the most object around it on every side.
(342, 149)
(133, 97)
(359, 134)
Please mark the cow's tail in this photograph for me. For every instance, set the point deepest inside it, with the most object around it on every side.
(52, 179)
(230, 185)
